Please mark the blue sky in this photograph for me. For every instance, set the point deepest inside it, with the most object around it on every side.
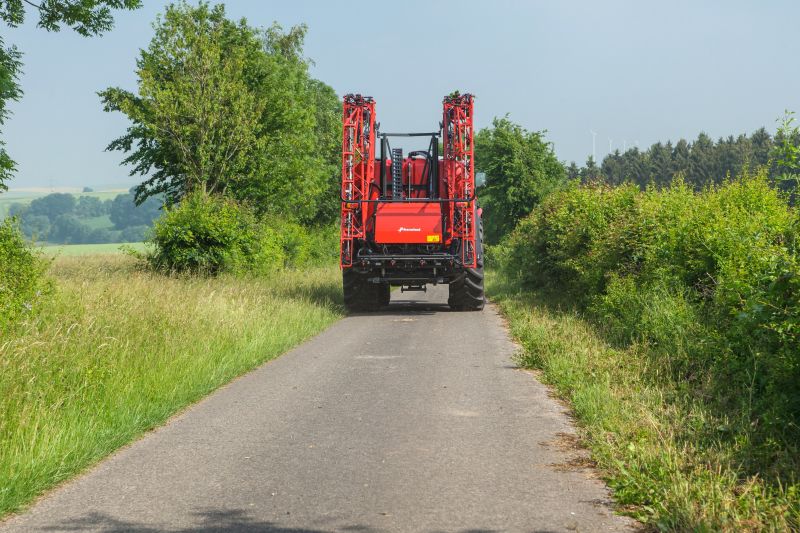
(632, 71)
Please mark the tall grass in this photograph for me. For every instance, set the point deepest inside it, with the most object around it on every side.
(667, 456)
(118, 350)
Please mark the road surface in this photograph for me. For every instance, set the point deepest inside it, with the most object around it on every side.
(411, 419)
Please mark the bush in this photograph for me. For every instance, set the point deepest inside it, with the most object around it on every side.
(708, 282)
(205, 234)
(212, 234)
(301, 246)
(21, 276)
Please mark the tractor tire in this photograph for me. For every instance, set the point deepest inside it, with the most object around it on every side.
(360, 295)
(385, 294)
(466, 290)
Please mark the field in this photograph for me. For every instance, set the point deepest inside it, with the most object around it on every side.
(91, 249)
(117, 350)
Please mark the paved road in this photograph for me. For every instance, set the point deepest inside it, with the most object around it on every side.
(412, 419)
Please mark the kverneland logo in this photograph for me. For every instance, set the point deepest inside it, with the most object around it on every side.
(401, 229)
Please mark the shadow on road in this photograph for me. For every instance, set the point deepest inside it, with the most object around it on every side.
(220, 521)
(409, 307)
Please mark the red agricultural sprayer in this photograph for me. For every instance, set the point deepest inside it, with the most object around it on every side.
(409, 221)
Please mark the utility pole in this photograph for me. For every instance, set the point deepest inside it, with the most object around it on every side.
(594, 146)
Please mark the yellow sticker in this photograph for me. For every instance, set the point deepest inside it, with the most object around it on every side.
(433, 238)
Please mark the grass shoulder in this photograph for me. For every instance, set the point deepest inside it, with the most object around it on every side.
(659, 448)
(117, 350)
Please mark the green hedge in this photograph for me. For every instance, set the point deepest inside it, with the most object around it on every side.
(709, 282)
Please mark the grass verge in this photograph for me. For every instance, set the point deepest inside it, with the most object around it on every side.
(119, 350)
(663, 454)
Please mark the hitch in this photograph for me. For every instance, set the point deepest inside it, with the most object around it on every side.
(413, 288)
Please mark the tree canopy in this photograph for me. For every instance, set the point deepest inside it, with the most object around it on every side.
(521, 168)
(225, 108)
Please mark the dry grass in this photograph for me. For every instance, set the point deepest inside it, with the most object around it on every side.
(117, 350)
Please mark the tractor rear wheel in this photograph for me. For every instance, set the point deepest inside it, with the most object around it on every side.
(466, 290)
(361, 295)
(384, 294)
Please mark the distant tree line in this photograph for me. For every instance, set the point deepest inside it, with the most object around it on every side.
(701, 162)
(61, 218)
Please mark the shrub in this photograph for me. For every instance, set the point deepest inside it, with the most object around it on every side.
(707, 282)
(205, 234)
(212, 234)
(299, 245)
(22, 279)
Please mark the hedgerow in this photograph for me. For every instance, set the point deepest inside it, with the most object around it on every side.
(703, 287)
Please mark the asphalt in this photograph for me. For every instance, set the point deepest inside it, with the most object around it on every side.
(411, 419)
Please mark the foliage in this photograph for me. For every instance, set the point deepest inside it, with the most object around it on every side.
(134, 233)
(787, 149)
(72, 380)
(90, 206)
(521, 169)
(125, 213)
(53, 205)
(21, 276)
(706, 284)
(212, 234)
(667, 456)
(10, 65)
(205, 234)
(60, 218)
(700, 162)
(86, 17)
(225, 108)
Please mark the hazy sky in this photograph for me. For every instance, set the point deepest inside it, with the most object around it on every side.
(632, 71)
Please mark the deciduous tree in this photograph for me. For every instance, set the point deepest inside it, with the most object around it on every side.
(228, 109)
(521, 168)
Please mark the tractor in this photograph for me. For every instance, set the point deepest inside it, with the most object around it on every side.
(409, 221)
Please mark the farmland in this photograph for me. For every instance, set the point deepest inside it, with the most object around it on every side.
(91, 249)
